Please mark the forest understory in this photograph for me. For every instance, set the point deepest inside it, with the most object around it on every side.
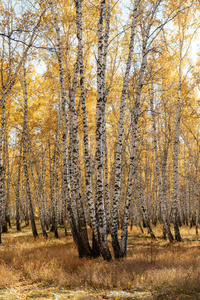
(39, 268)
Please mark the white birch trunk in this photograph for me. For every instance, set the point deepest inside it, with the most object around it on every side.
(18, 222)
(73, 224)
(134, 128)
(158, 169)
(143, 204)
(25, 136)
(79, 234)
(175, 158)
(38, 198)
(106, 192)
(2, 132)
(89, 196)
(53, 170)
(115, 202)
(135, 116)
(8, 186)
(187, 195)
(99, 142)
(4, 226)
(104, 61)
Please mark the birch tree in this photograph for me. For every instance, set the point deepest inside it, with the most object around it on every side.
(25, 163)
(90, 200)
(115, 242)
(158, 169)
(99, 139)
(146, 33)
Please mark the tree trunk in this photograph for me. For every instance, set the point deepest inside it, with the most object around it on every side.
(158, 171)
(18, 221)
(114, 213)
(99, 142)
(89, 196)
(80, 233)
(25, 136)
(175, 160)
(2, 132)
(41, 213)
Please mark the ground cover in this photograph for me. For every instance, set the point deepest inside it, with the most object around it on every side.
(50, 268)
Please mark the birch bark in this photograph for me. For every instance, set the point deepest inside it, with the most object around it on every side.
(134, 128)
(18, 223)
(53, 170)
(158, 169)
(107, 13)
(8, 186)
(135, 115)
(82, 237)
(4, 226)
(195, 158)
(114, 213)
(186, 186)
(25, 135)
(76, 176)
(1, 158)
(41, 181)
(143, 204)
(106, 191)
(41, 213)
(99, 142)
(90, 200)
(176, 155)
(73, 225)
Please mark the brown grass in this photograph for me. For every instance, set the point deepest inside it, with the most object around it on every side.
(168, 270)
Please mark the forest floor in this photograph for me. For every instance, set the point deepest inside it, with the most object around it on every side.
(50, 268)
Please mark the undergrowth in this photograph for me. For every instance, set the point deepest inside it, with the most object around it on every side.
(165, 269)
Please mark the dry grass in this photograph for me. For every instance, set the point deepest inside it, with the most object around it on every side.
(167, 270)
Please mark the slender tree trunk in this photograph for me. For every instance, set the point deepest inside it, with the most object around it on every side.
(158, 171)
(197, 197)
(80, 233)
(187, 196)
(105, 92)
(134, 129)
(115, 243)
(195, 158)
(89, 199)
(175, 159)
(2, 132)
(54, 178)
(99, 142)
(41, 183)
(73, 224)
(25, 136)
(75, 177)
(143, 204)
(64, 208)
(106, 192)
(4, 226)
(41, 213)
(8, 186)
(17, 192)
(72, 189)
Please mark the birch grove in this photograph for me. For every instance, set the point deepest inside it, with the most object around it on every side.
(99, 121)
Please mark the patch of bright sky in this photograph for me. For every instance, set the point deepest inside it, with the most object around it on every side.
(195, 48)
(40, 67)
